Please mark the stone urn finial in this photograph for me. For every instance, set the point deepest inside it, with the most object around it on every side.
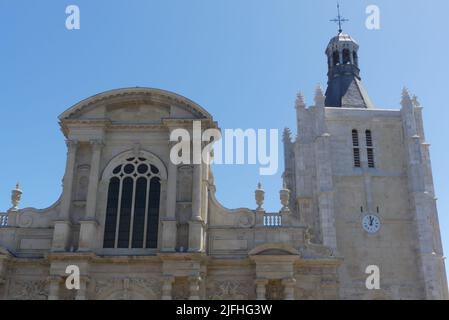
(260, 197)
(16, 196)
(285, 198)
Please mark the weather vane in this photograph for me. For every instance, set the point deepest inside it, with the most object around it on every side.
(340, 20)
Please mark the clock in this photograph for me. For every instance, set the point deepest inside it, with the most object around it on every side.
(371, 223)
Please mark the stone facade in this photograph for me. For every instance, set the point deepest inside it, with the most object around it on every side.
(314, 248)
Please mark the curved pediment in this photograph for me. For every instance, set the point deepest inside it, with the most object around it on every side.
(274, 249)
(135, 105)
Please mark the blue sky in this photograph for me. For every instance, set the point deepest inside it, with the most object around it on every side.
(242, 60)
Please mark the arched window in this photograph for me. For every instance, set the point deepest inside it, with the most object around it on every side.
(355, 58)
(336, 58)
(356, 148)
(132, 214)
(370, 149)
(346, 56)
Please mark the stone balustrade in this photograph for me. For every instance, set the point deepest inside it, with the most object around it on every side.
(272, 220)
(3, 220)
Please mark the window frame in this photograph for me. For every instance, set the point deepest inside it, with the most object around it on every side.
(121, 171)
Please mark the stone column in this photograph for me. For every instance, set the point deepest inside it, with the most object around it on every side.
(261, 289)
(289, 288)
(62, 230)
(53, 289)
(167, 288)
(169, 229)
(81, 294)
(89, 225)
(194, 287)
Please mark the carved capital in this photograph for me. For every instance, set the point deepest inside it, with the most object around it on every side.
(289, 282)
(97, 145)
(71, 145)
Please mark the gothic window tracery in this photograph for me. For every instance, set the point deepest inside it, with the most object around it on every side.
(132, 214)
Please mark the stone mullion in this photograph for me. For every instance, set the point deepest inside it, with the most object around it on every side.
(133, 208)
(147, 206)
(119, 209)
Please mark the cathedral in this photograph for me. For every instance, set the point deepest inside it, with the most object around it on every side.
(357, 195)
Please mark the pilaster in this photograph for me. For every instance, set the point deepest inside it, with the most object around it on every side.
(167, 287)
(289, 288)
(62, 230)
(169, 225)
(194, 282)
(88, 227)
(261, 289)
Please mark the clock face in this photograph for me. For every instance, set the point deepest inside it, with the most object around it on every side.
(371, 223)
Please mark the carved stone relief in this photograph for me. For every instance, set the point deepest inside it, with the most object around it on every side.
(28, 290)
(229, 290)
(128, 289)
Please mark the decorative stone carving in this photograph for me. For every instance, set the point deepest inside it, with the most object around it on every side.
(28, 290)
(260, 197)
(124, 288)
(151, 285)
(16, 196)
(308, 236)
(245, 221)
(285, 199)
(228, 290)
(25, 220)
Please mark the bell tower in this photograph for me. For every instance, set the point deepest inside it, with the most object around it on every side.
(345, 89)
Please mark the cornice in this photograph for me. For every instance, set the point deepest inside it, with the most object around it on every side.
(139, 94)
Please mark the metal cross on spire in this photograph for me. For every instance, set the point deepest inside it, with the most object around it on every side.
(340, 20)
